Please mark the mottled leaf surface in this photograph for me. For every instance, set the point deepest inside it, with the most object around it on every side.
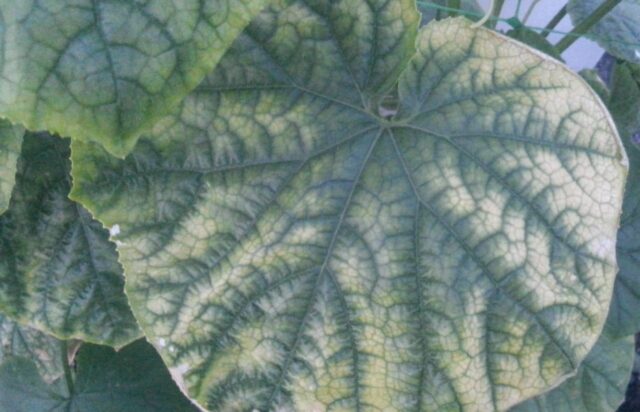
(132, 380)
(43, 350)
(105, 70)
(601, 381)
(618, 32)
(293, 250)
(58, 271)
(10, 143)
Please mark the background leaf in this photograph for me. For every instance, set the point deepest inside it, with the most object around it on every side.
(58, 271)
(625, 108)
(132, 380)
(106, 70)
(535, 40)
(42, 350)
(298, 251)
(618, 32)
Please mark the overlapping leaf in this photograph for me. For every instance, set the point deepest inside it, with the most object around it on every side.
(618, 32)
(132, 380)
(58, 270)
(10, 143)
(625, 107)
(105, 70)
(44, 351)
(287, 248)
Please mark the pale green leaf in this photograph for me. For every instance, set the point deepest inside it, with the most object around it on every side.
(106, 70)
(131, 380)
(58, 270)
(43, 350)
(10, 143)
(599, 385)
(286, 248)
(618, 32)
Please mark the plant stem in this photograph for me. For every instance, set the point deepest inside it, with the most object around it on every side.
(586, 24)
(497, 9)
(454, 5)
(533, 5)
(65, 365)
(554, 21)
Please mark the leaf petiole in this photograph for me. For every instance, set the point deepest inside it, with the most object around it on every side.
(68, 375)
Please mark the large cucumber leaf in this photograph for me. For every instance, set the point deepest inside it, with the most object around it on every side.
(287, 248)
(105, 70)
(58, 270)
(10, 143)
(618, 32)
(131, 380)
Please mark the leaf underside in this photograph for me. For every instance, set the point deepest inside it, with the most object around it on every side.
(286, 247)
(618, 32)
(106, 70)
(58, 271)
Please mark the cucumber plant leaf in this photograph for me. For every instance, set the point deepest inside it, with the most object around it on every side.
(296, 250)
(131, 380)
(105, 70)
(618, 32)
(599, 385)
(625, 108)
(58, 270)
(592, 77)
(10, 143)
(44, 351)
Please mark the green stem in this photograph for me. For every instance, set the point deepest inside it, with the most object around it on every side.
(586, 24)
(554, 21)
(497, 10)
(65, 365)
(454, 5)
(533, 5)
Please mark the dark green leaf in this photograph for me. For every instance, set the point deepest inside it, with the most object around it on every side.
(58, 271)
(132, 380)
